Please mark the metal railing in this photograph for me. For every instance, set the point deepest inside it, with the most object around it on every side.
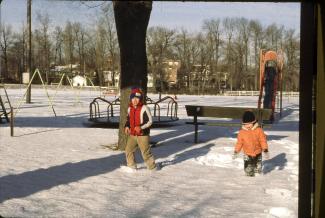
(171, 111)
(95, 111)
(172, 107)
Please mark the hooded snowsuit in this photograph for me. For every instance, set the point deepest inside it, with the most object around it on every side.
(253, 142)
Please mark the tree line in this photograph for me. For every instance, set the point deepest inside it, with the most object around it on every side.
(228, 46)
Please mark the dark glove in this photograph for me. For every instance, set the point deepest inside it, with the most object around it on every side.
(266, 154)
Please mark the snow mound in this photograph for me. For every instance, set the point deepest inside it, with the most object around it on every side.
(127, 169)
(220, 160)
(228, 148)
(281, 212)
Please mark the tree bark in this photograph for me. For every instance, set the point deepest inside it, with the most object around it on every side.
(132, 18)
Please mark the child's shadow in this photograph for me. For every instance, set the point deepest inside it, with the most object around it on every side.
(278, 162)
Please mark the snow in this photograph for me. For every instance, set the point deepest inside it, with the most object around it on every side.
(57, 167)
(281, 212)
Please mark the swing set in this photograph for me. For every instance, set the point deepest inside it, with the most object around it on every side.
(4, 99)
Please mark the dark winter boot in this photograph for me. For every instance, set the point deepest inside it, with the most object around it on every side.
(249, 166)
(258, 168)
(249, 171)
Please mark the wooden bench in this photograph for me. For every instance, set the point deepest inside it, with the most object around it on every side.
(223, 112)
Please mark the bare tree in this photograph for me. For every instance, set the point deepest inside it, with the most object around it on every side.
(100, 51)
(229, 28)
(244, 36)
(58, 45)
(90, 54)
(5, 43)
(132, 18)
(69, 44)
(291, 68)
(213, 32)
(159, 40)
(18, 55)
(257, 38)
(273, 35)
(203, 61)
(110, 36)
(279, 38)
(241, 52)
(182, 51)
(44, 44)
(81, 40)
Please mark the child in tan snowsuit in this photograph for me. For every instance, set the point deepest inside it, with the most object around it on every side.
(137, 128)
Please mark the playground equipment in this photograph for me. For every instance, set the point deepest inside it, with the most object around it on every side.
(36, 72)
(5, 105)
(76, 89)
(109, 117)
(271, 65)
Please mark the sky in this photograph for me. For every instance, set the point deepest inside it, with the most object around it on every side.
(189, 15)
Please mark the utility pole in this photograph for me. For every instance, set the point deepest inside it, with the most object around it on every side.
(0, 31)
(29, 48)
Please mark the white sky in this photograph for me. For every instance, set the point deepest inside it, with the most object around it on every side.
(169, 14)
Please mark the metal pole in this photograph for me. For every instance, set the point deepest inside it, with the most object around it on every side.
(195, 128)
(0, 31)
(11, 121)
(29, 47)
(281, 81)
(308, 66)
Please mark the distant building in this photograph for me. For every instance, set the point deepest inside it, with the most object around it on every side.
(167, 76)
(67, 67)
(56, 72)
(199, 74)
(170, 71)
(108, 79)
(202, 76)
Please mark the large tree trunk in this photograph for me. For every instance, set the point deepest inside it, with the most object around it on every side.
(132, 18)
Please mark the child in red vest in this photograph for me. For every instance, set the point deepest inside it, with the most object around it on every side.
(137, 127)
(252, 140)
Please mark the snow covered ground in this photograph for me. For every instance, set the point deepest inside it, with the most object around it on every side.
(56, 166)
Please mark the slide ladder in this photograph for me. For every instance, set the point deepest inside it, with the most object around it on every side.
(4, 100)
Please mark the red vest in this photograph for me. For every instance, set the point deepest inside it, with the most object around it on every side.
(135, 120)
